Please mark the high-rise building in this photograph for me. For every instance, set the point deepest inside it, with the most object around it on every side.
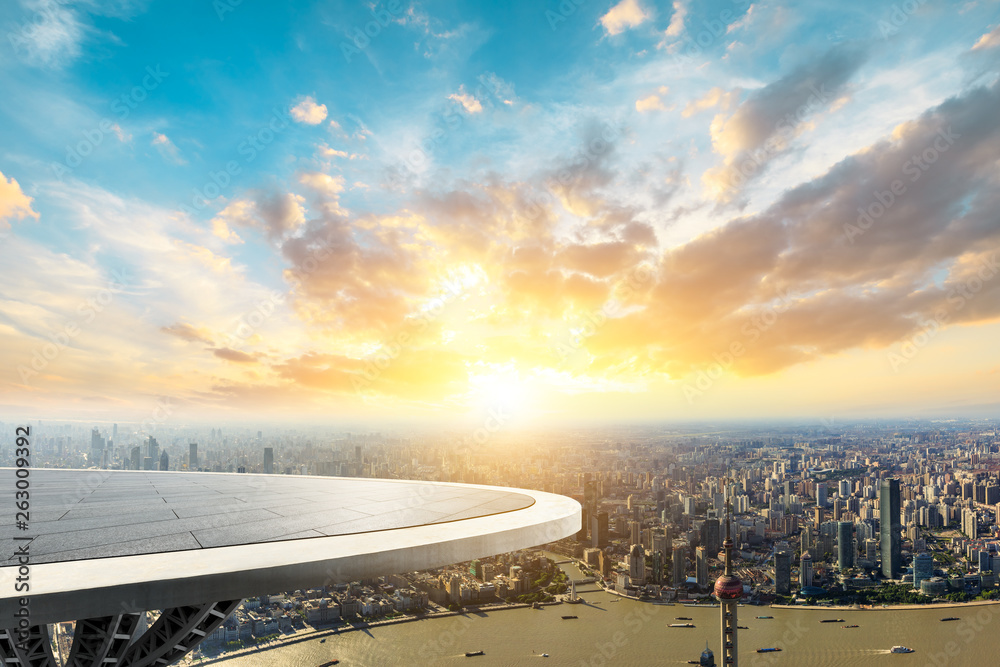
(807, 537)
(701, 565)
(845, 545)
(805, 570)
(970, 523)
(147, 463)
(783, 572)
(152, 448)
(599, 530)
(637, 565)
(634, 532)
(889, 528)
(710, 537)
(193, 456)
(821, 494)
(268, 460)
(136, 459)
(657, 567)
(729, 590)
(164, 461)
(604, 562)
(923, 568)
(678, 566)
(96, 447)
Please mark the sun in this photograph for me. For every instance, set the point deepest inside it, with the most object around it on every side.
(502, 387)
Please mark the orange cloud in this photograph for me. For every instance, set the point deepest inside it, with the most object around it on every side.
(13, 202)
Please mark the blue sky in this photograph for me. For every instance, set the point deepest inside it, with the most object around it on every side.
(224, 140)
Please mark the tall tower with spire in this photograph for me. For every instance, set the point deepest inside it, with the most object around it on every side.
(729, 590)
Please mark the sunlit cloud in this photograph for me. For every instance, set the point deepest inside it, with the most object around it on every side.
(623, 16)
(308, 112)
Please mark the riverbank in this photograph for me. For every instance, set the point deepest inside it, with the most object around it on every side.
(310, 634)
(891, 607)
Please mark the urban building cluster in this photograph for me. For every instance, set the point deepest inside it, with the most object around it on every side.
(871, 512)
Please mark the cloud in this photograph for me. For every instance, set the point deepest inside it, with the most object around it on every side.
(326, 188)
(167, 148)
(838, 262)
(234, 355)
(501, 89)
(308, 112)
(468, 102)
(623, 16)
(764, 125)
(990, 40)
(276, 213)
(676, 26)
(50, 35)
(716, 97)
(239, 212)
(185, 331)
(324, 184)
(13, 202)
(652, 102)
(120, 133)
(328, 152)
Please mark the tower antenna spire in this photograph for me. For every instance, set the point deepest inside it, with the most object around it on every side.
(729, 590)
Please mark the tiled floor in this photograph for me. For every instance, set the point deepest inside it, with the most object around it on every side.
(93, 514)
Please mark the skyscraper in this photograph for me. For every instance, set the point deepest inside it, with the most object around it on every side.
(193, 456)
(889, 528)
(152, 449)
(637, 565)
(805, 570)
(923, 568)
(96, 447)
(268, 460)
(164, 460)
(701, 565)
(679, 565)
(729, 590)
(845, 545)
(821, 494)
(710, 537)
(783, 572)
(599, 530)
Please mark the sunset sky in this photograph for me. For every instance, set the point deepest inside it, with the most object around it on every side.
(649, 210)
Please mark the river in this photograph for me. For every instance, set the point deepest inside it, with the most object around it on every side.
(616, 631)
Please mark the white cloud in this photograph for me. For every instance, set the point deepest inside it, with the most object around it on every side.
(308, 112)
(167, 148)
(321, 183)
(48, 36)
(120, 133)
(676, 26)
(468, 102)
(626, 14)
(651, 103)
(328, 152)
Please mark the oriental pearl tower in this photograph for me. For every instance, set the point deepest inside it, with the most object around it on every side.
(729, 590)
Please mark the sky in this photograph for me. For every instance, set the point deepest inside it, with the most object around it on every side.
(510, 212)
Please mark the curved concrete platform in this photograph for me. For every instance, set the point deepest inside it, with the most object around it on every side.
(109, 542)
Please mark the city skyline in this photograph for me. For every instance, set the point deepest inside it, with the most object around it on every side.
(625, 211)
